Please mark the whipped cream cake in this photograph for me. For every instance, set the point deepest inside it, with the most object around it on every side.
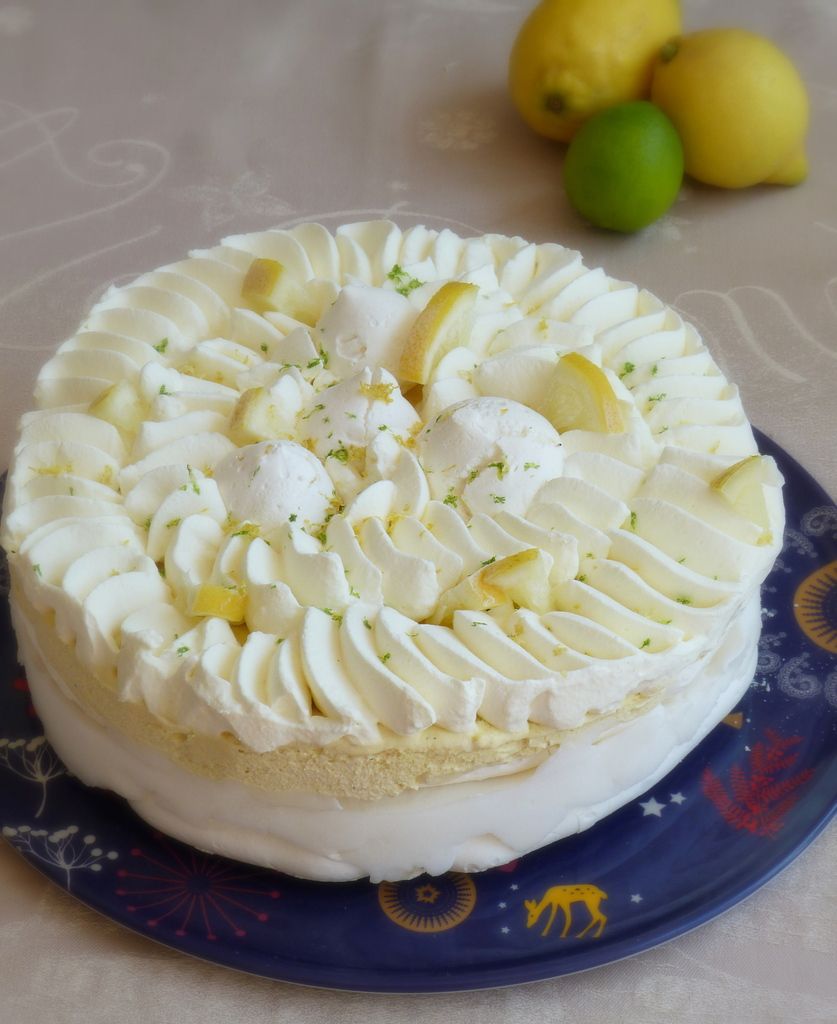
(384, 551)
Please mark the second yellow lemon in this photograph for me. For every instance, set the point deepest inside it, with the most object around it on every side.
(573, 58)
(739, 105)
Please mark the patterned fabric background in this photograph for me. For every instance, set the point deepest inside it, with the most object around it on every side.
(131, 131)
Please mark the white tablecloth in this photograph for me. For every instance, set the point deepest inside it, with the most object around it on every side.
(131, 131)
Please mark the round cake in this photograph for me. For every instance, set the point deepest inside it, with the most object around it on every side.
(384, 551)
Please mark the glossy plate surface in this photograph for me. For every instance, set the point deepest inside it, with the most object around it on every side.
(737, 810)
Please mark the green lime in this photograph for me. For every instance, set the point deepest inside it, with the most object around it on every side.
(624, 167)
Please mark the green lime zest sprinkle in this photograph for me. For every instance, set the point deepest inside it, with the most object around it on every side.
(340, 453)
(317, 408)
(404, 282)
(162, 346)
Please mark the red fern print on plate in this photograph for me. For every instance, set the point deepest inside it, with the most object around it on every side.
(194, 892)
(22, 686)
(759, 801)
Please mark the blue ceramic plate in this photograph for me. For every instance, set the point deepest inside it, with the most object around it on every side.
(728, 818)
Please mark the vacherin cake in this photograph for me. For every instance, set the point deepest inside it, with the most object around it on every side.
(384, 551)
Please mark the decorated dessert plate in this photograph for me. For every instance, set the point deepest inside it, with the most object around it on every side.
(728, 818)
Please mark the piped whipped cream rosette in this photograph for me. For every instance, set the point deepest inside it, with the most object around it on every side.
(354, 528)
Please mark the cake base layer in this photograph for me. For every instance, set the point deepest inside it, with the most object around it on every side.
(465, 825)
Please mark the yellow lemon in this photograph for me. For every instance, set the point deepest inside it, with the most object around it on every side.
(739, 105)
(573, 58)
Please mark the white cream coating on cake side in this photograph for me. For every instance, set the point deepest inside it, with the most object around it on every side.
(471, 823)
(339, 537)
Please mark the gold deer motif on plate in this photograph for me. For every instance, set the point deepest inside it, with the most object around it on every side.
(563, 897)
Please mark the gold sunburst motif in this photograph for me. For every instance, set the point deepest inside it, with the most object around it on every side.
(429, 905)
(815, 607)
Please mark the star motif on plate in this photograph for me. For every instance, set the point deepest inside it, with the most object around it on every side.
(652, 807)
(636, 898)
(677, 798)
(427, 894)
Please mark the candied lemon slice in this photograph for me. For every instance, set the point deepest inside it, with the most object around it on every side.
(221, 602)
(270, 287)
(256, 417)
(521, 578)
(742, 484)
(580, 397)
(121, 405)
(445, 322)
